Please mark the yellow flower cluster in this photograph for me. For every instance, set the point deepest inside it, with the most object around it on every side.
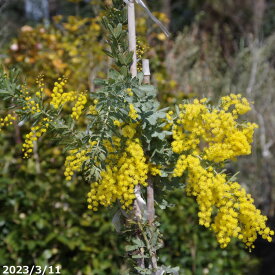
(129, 130)
(75, 159)
(79, 106)
(117, 123)
(123, 171)
(129, 91)
(122, 174)
(59, 97)
(7, 120)
(202, 134)
(31, 104)
(74, 162)
(92, 110)
(133, 113)
(40, 84)
(35, 133)
(142, 48)
(241, 105)
(215, 133)
(154, 170)
(169, 115)
(236, 215)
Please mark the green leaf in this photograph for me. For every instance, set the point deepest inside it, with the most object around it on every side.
(118, 30)
(108, 53)
(149, 90)
(138, 242)
(152, 119)
(162, 135)
(99, 82)
(129, 58)
(124, 71)
(131, 247)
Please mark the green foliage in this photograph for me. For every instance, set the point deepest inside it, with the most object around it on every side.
(9, 84)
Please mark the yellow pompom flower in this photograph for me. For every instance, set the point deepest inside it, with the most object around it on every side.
(154, 169)
(129, 130)
(129, 91)
(35, 133)
(133, 113)
(92, 110)
(75, 160)
(60, 97)
(31, 102)
(117, 123)
(6, 121)
(79, 106)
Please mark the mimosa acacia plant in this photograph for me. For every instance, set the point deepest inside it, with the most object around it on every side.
(131, 151)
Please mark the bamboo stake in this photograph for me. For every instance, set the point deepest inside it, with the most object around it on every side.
(132, 36)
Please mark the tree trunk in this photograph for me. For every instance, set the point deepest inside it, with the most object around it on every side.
(258, 10)
(166, 9)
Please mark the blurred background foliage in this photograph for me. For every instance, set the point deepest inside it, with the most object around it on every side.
(216, 47)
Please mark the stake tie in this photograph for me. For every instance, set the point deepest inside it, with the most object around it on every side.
(141, 3)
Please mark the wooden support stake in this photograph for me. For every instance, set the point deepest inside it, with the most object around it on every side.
(150, 187)
(146, 71)
(133, 69)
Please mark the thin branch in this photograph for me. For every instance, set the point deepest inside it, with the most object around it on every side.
(36, 158)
